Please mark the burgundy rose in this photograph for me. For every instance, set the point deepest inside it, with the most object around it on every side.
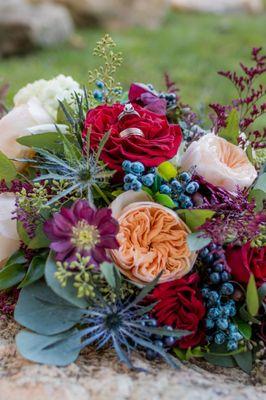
(246, 260)
(147, 98)
(180, 305)
(141, 136)
(82, 230)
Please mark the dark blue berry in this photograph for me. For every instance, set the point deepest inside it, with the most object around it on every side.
(214, 313)
(218, 267)
(152, 322)
(232, 328)
(127, 186)
(235, 336)
(232, 311)
(100, 84)
(97, 94)
(224, 276)
(205, 292)
(128, 178)
(136, 186)
(227, 289)
(192, 187)
(215, 277)
(176, 186)
(219, 338)
(169, 341)
(208, 259)
(165, 189)
(213, 296)
(148, 179)
(204, 252)
(222, 324)
(232, 345)
(185, 177)
(151, 355)
(209, 323)
(126, 165)
(137, 167)
(186, 204)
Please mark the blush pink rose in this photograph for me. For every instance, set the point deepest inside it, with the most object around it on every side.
(9, 239)
(220, 163)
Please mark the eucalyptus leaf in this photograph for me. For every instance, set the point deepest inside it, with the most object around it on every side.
(231, 131)
(164, 200)
(196, 241)
(69, 293)
(60, 350)
(34, 272)
(108, 271)
(252, 297)
(16, 258)
(41, 310)
(8, 170)
(47, 141)
(11, 275)
(244, 360)
(259, 192)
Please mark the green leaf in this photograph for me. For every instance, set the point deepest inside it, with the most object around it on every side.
(244, 360)
(181, 354)
(259, 192)
(108, 271)
(16, 258)
(195, 218)
(47, 141)
(196, 241)
(69, 293)
(8, 170)
(11, 275)
(164, 200)
(40, 240)
(22, 233)
(41, 310)
(34, 272)
(252, 297)
(244, 328)
(222, 361)
(60, 350)
(167, 170)
(231, 131)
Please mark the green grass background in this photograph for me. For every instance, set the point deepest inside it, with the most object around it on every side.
(191, 47)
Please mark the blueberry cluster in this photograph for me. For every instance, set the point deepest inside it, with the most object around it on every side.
(100, 93)
(191, 133)
(170, 98)
(217, 293)
(181, 190)
(137, 175)
(165, 342)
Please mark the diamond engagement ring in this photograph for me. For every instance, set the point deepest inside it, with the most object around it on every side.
(128, 110)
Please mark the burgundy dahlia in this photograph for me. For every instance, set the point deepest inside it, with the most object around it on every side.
(82, 230)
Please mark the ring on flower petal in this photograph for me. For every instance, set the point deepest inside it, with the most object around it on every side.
(131, 132)
(128, 110)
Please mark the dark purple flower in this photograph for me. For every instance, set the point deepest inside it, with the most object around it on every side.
(82, 230)
(147, 98)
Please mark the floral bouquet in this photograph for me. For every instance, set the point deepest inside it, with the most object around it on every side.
(127, 223)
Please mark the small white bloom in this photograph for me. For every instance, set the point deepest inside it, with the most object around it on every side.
(48, 92)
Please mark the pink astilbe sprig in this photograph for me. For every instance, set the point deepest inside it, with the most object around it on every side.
(236, 219)
(250, 102)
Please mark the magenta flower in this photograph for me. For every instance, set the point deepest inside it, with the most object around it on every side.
(82, 230)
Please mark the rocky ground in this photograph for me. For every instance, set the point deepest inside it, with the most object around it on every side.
(100, 377)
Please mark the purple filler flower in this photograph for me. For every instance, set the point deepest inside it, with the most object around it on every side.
(82, 230)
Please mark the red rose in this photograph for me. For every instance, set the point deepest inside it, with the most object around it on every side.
(180, 305)
(246, 260)
(146, 137)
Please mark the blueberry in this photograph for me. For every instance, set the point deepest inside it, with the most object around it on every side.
(126, 165)
(227, 289)
(209, 323)
(204, 252)
(151, 355)
(226, 310)
(224, 276)
(222, 324)
(218, 267)
(232, 328)
(152, 322)
(236, 336)
(183, 198)
(185, 177)
(158, 343)
(215, 277)
(212, 246)
(220, 338)
(127, 186)
(213, 313)
(152, 170)
(205, 292)
(232, 311)
(177, 205)
(213, 296)
(136, 186)
(137, 167)
(100, 84)
(129, 178)
(208, 259)
(232, 345)
(169, 341)
(165, 189)
(186, 204)
(168, 328)
(176, 186)
(192, 187)
(97, 94)
(148, 179)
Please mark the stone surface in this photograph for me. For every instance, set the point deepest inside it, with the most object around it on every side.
(99, 376)
(116, 13)
(218, 6)
(25, 26)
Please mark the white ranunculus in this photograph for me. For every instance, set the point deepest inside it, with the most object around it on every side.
(9, 239)
(219, 162)
(16, 123)
(49, 92)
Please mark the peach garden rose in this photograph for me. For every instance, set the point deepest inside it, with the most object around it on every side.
(152, 238)
(9, 239)
(220, 163)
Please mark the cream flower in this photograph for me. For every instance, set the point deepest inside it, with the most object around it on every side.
(48, 92)
(220, 163)
(9, 239)
(152, 239)
(15, 124)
